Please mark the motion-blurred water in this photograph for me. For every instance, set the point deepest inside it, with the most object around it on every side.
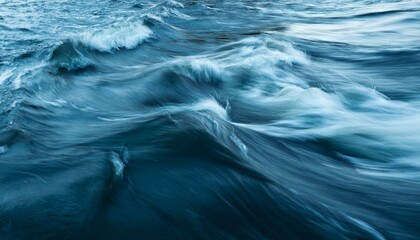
(209, 119)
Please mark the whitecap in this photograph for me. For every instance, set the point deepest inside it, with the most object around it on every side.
(5, 76)
(127, 35)
(259, 52)
(166, 9)
(200, 69)
(212, 106)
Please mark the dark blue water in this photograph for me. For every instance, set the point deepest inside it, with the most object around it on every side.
(209, 119)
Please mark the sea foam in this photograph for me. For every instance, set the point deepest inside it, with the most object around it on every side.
(126, 35)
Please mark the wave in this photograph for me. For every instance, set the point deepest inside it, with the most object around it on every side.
(126, 35)
(259, 79)
(83, 51)
(354, 120)
(4, 76)
(129, 33)
(165, 9)
(71, 56)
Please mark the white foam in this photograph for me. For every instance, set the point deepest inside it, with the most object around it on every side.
(258, 52)
(18, 81)
(4, 76)
(261, 56)
(394, 31)
(118, 164)
(127, 35)
(166, 9)
(355, 120)
(212, 106)
(200, 69)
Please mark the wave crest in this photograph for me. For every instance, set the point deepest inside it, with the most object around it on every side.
(126, 35)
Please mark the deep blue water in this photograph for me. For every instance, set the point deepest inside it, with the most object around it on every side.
(209, 119)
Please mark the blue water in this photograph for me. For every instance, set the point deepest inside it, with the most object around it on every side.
(209, 119)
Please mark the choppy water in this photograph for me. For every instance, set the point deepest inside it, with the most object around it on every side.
(209, 119)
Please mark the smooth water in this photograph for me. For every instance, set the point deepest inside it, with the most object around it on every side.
(209, 119)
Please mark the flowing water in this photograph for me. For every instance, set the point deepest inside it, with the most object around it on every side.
(206, 119)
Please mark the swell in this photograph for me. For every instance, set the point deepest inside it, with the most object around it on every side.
(263, 100)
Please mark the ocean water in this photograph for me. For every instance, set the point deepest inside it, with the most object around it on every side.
(209, 119)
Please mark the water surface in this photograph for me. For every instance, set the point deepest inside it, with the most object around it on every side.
(209, 119)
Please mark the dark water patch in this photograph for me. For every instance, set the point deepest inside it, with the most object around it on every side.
(385, 13)
(138, 5)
